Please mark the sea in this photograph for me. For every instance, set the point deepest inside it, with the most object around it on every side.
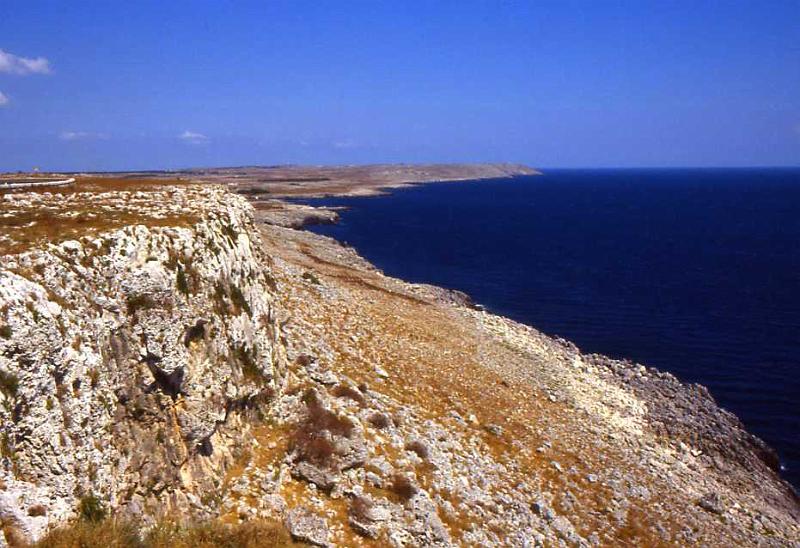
(692, 271)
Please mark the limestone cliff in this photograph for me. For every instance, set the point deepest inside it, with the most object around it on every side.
(160, 353)
(130, 359)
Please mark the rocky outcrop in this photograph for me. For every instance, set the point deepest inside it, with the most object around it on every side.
(293, 215)
(130, 363)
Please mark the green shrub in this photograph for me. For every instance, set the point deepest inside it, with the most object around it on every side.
(6, 447)
(247, 358)
(94, 377)
(139, 302)
(92, 509)
(180, 281)
(311, 277)
(238, 300)
(9, 384)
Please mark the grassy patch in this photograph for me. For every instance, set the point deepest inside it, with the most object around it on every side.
(167, 534)
(89, 211)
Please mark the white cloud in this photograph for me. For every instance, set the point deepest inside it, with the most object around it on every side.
(14, 64)
(193, 138)
(3, 99)
(81, 136)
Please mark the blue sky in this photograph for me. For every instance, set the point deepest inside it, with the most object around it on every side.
(137, 85)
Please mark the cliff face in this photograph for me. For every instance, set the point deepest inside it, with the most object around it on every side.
(131, 359)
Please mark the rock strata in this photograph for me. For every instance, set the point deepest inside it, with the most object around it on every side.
(130, 362)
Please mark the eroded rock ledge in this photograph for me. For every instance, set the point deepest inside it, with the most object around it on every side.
(130, 361)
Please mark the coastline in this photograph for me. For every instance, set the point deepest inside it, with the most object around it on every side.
(294, 215)
(352, 408)
(680, 419)
(581, 424)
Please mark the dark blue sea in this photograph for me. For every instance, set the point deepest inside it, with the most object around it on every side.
(693, 271)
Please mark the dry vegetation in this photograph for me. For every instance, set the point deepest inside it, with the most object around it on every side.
(38, 216)
(259, 182)
(549, 425)
(113, 533)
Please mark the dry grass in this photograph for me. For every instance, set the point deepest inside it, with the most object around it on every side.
(312, 440)
(112, 533)
(403, 487)
(78, 210)
(344, 391)
(449, 362)
(380, 420)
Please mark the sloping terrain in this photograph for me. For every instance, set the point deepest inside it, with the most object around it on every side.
(413, 419)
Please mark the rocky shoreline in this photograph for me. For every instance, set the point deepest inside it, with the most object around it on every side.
(232, 369)
(615, 450)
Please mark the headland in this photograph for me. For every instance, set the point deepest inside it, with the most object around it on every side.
(191, 355)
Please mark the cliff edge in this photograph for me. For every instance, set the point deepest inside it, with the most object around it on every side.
(130, 358)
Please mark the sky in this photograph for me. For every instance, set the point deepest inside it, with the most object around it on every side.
(97, 85)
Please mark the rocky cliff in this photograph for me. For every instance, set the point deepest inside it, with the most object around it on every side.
(131, 358)
(162, 354)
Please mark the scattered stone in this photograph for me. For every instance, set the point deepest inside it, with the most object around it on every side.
(374, 479)
(323, 478)
(494, 429)
(323, 376)
(306, 526)
(542, 509)
(712, 502)
(367, 517)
